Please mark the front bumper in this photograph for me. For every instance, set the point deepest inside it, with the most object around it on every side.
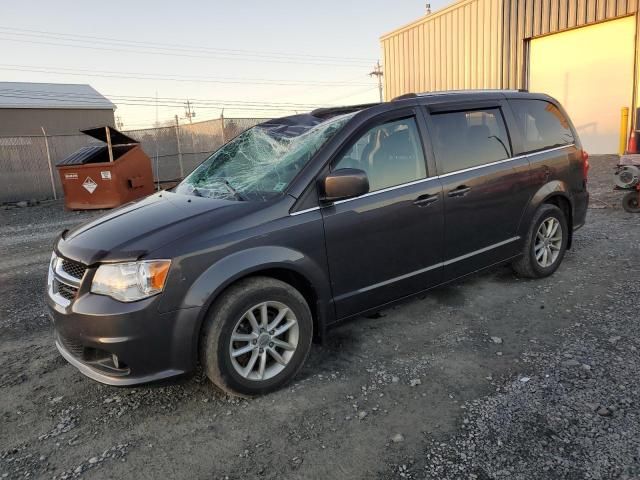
(123, 344)
(117, 381)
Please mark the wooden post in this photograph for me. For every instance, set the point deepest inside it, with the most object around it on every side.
(109, 147)
(179, 148)
(53, 183)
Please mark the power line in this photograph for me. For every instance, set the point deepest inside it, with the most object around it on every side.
(51, 94)
(150, 104)
(178, 78)
(257, 58)
(171, 46)
(88, 100)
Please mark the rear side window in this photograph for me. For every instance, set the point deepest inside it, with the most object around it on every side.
(469, 138)
(542, 125)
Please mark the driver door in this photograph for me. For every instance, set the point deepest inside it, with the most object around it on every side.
(388, 243)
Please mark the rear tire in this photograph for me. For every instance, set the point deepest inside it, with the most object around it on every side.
(545, 245)
(630, 202)
(256, 337)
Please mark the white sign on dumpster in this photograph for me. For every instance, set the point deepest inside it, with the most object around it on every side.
(89, 185)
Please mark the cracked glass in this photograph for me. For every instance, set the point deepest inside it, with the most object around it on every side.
(260, 163)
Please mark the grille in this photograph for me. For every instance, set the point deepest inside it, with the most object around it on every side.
(75, 269)
(65, 290)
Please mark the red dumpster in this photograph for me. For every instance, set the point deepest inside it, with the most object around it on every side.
(105, 176)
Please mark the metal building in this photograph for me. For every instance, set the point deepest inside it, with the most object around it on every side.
(25, 108)
(583, 52)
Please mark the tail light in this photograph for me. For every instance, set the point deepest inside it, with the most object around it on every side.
(585, 164)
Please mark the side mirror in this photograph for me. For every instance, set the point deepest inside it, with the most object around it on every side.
(344, 183)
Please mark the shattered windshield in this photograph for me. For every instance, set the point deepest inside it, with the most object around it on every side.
(261, 162)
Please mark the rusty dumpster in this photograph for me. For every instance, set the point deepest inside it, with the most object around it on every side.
(105, 175)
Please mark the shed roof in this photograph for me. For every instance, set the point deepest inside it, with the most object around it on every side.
(52, 95)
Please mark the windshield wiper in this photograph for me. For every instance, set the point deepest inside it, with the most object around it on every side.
(232, 190)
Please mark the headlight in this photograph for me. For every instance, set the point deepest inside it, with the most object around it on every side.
(133, 281)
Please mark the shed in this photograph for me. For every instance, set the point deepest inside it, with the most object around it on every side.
(59, 108)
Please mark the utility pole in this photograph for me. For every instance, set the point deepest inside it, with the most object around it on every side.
(119, 122)
(189, 113)
(224, 138)
(377, 72)
(179, 148)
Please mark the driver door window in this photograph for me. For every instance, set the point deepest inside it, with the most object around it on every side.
(391, 154)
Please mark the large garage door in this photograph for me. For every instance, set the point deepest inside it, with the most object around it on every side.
(590, 71)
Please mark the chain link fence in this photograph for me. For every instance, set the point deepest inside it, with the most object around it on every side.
(174, 152)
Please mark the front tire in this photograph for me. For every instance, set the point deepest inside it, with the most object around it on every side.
(545, 245)
(256, 337)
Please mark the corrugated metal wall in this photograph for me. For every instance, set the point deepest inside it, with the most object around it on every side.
(459, 47)
(524, 19)
(482, 43)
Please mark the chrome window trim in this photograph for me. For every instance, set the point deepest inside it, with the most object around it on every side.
(306, 210)
(546, 150)
(470, 169)
(422, 180)
(385, 190)
(498, 162)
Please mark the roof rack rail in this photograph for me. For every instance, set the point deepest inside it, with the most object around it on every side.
(328, 112)
(406, 95)
(470, 90)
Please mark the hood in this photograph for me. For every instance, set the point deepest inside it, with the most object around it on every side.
(133, 230)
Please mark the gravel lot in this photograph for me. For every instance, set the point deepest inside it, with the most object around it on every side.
(492, 377)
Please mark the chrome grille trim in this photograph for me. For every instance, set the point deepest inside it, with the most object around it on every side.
(64, 290)
(64, 277)
(73, 269)
(65, 280)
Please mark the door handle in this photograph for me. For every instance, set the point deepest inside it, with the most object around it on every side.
(460, 191)
(424, 200)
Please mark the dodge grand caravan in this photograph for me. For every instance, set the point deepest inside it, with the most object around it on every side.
(304, 221)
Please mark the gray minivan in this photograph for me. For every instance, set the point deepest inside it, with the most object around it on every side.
(304, 221)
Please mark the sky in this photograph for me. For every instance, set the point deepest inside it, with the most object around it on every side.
(254, 59)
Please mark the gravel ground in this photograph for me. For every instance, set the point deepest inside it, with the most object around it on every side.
(492, 377)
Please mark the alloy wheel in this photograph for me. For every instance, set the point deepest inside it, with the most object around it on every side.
(548, 242)
(264, 340)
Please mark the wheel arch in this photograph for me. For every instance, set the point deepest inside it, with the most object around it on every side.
(286, 265)
(554, 193)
